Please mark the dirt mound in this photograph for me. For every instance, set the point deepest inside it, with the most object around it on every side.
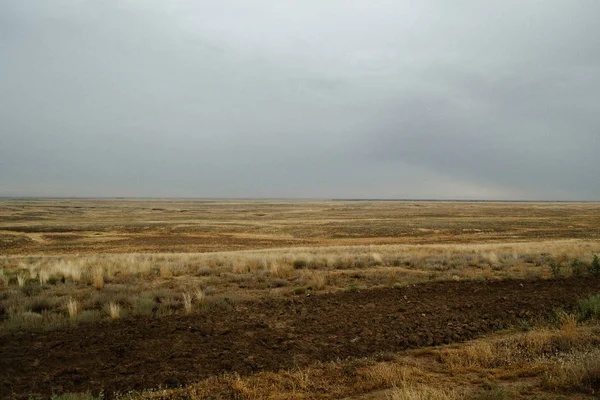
(270, 335)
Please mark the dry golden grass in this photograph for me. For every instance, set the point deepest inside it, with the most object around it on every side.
(133, 226)
(187, 303)
(73, 308)
(134, 278)
(114, 310)
(422, 392)
(578, 371)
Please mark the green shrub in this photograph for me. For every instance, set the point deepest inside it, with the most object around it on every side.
(555, 268)
(300, 290)
(300, 264)
(577, 267)
(590, 308)
(594, 267)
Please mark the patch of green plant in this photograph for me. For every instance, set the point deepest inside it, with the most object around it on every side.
(577, 267)
(300, 290)
(353, 287)
(589, 308)
(594, 267)
(300, 264)
(78, 396)
(556, 269)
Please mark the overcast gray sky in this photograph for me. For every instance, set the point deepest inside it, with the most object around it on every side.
(313, 98)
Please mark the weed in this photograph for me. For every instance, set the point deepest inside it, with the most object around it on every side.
(577, 267)
(556, 269)
(589, 308)
(594, 267)
(300, 290)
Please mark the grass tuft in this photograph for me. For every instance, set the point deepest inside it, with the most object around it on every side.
(72, 308)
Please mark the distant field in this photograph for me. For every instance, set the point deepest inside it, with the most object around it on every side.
(126, 226)
(299, 299)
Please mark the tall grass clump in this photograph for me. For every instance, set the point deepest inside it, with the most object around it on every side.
(44, 276)
(98, 278)
(187, 303)
(21, 280)
(114, 310)
(72, 308)
(200, 296)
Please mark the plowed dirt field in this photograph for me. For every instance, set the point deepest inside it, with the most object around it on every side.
(271, 334)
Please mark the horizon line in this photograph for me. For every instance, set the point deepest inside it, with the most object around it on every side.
(340, 199)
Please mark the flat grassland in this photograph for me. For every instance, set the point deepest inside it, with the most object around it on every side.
(298, 299)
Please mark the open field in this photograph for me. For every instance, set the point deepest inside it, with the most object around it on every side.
(120, 295)
(134, 226)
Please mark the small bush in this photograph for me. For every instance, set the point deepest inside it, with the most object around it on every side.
(277, 283)
(53, 280)
(300, 290)
(300, 264)
(579, 371)
(40, 304)
(594, 267)
(577, 267)
(590, 308)
(555, 268)
(31, 289)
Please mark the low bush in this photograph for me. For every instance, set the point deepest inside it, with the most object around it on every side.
(594, 267)
(589, 308)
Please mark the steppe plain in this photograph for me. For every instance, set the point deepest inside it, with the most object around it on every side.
(184, 298)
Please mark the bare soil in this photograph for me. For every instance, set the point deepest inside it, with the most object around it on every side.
(271, 334)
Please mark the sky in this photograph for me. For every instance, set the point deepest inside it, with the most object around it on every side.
(402, 99)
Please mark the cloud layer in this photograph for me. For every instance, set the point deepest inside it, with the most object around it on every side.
(386, 99)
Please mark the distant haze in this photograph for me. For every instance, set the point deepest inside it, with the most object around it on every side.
(329, 98)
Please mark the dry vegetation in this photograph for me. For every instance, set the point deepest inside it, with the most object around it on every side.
(43, 292)
(69, 262)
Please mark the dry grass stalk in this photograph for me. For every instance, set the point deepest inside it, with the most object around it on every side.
(283, 271)
(21, 280)
(579, 371)
(200, 296)
(72, 308)
(187, 303)
(316, 280)
(98, 279)
(114, 310)
(44, 276)
(568, 323)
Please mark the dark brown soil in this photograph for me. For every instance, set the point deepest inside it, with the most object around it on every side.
(271, 334)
